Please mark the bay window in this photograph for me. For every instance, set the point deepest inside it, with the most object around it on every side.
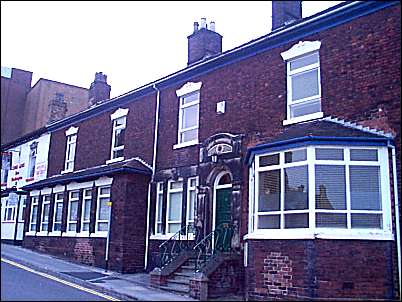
(321, 189)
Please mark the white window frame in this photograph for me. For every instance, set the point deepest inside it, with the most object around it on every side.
(298, 51)
(33, 152)
(84, 200)
(56, 201)
(159, 192)
(118, 114)
(97, 221)
(34, 202)
(170, 191)
(23, 208)
(190, 189)
(5, 170)
(328, 233)
(71, 145)
(185, 91)
(46, 201)
(72, 222)
(9, 208)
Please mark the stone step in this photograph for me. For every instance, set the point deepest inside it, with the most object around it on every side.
(183, 281)
(184, 274)
(179, 288)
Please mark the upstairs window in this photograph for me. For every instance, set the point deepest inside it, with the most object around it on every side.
(6, 158)
(32, 160)
(71, 134)
(174, 206)
(189, 103)
(303, 82)
(118, 134)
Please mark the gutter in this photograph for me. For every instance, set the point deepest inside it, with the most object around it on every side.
(311, 139)
(78, 178)
(153, 171)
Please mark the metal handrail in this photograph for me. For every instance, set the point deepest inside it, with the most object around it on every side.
(171, 248)
(217, 242)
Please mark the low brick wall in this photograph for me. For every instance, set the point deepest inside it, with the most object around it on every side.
(319, 269)
(89, 251)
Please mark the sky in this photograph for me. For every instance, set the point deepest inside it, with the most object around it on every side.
(133, 42)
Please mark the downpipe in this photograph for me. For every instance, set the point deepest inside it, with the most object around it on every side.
(153, 172)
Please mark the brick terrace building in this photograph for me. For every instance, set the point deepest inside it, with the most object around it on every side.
(288, 145)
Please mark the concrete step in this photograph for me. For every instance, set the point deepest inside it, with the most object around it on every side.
(174, 287)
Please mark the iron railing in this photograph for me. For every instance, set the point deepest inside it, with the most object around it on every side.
(217, 242)
(175, 245)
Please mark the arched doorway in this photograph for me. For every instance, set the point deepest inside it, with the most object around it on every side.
(222, 199)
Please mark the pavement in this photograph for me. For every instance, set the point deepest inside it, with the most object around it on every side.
(123, 286)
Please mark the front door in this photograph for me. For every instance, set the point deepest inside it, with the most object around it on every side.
(223, 213)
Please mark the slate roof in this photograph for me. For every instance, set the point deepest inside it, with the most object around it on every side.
(129, 166)
(327, 130)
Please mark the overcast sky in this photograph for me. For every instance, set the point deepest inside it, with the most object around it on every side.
(134, 43)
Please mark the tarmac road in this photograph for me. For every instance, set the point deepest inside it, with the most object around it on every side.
(18, 284)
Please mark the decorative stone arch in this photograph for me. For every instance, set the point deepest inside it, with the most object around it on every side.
(219, 153)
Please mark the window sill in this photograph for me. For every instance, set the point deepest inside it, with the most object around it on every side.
(69, 234)
(321, 234)
(55, 233)
(303, 118)
(30, 233)
(42, 233)
(186, 144)
(98, 234)
(8, 221)
(66, 171)
(113, 160)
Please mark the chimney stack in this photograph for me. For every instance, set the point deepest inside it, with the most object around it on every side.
(99, 90)
(285, 12)
(203, 42)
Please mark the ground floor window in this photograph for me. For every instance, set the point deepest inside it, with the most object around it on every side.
(321, 187)
(9, 211)
(174, 206)
(34, 213)
(45, 213)
(73, 211)
(58, 211)
(86, 209)
(191, 201)
(103, 209)
(158, 209)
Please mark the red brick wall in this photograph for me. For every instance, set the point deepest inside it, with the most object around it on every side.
(13, 99)
(300, 269)
(95, 137)
(128, 228)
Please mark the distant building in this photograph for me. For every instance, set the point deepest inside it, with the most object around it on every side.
(25, 109)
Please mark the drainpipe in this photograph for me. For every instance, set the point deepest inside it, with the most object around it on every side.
(153, 171)
(396, 202)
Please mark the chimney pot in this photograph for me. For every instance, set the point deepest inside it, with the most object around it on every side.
(203, 22)
(195, 26)
(212, 26)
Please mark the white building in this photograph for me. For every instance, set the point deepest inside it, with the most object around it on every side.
(24, 161)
